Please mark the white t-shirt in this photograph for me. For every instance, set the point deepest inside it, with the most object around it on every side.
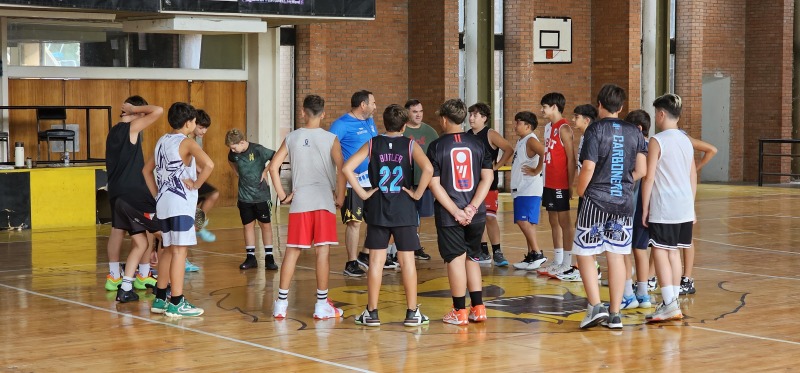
(522, 184)
(672, 200)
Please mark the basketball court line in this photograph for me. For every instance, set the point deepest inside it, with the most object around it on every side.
(209, 334)
(748, 274)
(746, 335)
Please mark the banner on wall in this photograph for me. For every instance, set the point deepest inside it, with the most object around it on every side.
(302, 8)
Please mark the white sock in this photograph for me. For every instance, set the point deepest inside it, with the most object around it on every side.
(628, 291)
(558, 255)
(322, 296)
(283, 294)
(144, 269)
(567, 257)
(641, 288)
(268, 250)
(251, 250)
(667, 294)
(676, 289)
(127, 283)
(113, 269)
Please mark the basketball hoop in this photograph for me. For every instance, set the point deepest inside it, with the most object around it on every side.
(552, 53)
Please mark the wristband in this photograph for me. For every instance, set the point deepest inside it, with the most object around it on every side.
(284, 198)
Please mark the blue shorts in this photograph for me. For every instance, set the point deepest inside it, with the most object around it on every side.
(527, 208)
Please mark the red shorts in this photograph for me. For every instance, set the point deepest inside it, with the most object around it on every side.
(312, 227)
(491, 202)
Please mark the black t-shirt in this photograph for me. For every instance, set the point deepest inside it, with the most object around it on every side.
(483, 135)
(612, 144)
(390, 169)
(457, 160)
(124, 164)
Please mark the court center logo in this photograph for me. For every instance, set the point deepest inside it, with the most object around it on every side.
(510, 297)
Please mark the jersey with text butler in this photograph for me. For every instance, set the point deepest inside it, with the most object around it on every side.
(390, 169)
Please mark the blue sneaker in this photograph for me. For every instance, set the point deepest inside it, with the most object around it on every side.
(191, 267)
(206, 235)
(644, 301)
(629, 302)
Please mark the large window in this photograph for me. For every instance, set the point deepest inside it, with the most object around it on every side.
(88, 45)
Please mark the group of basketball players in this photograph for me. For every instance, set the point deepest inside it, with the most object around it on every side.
(390, 181)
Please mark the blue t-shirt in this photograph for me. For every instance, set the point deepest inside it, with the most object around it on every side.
(353, 133)
(612, 144)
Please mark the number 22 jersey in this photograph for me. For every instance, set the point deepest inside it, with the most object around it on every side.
(457, 160)
(390, 169)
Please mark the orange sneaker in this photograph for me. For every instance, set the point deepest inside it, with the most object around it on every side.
(456, 317)
(477, 313)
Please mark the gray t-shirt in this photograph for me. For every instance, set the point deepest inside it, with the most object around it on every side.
(313, 170)
(612, 144)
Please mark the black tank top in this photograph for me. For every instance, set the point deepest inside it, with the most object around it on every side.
(390, 169)
(483, 135)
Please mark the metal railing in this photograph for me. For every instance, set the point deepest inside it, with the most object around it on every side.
(761, 156)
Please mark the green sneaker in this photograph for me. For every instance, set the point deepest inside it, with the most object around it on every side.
(159, 306)
(142, 283)
(112, 284)
(183, 308)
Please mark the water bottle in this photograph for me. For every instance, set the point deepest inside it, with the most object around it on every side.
(66, 158)
(19, 154)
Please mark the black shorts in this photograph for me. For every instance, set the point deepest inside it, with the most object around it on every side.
(252, 211)
(555, 199)
(353, 208)
(641, 235)
(405, 237)
(131, 220)
(205, 190)
(457, 240)
(671, 236)
(425, 204)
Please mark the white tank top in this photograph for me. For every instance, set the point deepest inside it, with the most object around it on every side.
(672, 201)
(522, 184)
(174, 198)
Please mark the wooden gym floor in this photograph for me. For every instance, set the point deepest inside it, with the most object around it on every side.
(56, 316)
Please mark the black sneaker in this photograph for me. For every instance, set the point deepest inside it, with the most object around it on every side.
(368, 318)
(269, 262)
(390, 263)
(249, 262)
(363, 259)
(126, 296)
(353, 270)
(687, 285)
(421, 255)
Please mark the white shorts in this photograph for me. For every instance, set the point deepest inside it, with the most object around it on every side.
(598, 231)
(178, 231)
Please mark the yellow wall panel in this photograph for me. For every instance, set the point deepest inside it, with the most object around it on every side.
(63, 197)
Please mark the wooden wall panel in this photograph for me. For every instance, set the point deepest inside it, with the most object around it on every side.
(22, 123)
(95, 93)
(225, 103)
(161, 93)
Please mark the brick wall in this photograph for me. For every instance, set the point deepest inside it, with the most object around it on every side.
(336, 59)
(768, 89)
(432, 54)
(751, 42)
(616, 53)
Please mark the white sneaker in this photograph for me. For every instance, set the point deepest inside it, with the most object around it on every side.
(279, 308)
(666, 312)
(548, 269)
(571, 275)
(560, 269)
(326, 311)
